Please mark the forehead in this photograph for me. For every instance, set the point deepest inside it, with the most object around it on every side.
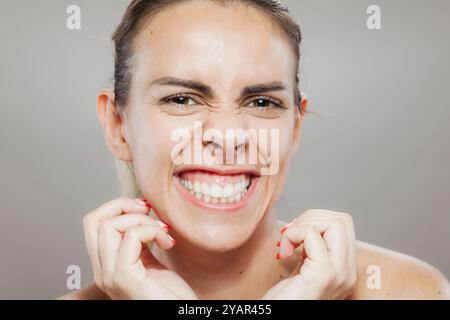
(200, 39)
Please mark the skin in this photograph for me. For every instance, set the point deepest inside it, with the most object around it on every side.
(319, 257)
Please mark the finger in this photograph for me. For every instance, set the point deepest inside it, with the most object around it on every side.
(92, 220)
(132, 244)
(286, 248)
(294, 235)
(110, 237)
(336, 240)
(315, 247)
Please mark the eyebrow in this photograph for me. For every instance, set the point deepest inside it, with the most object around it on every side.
(209, 92)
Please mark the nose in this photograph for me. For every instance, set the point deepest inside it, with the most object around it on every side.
(225, 137)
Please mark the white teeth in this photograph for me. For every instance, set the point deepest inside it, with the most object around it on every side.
(216, 193)
(228, 190)
(205, 188)
(237, 188)
(197, 186)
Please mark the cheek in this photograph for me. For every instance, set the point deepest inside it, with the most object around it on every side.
(152, 152)
(274, 138)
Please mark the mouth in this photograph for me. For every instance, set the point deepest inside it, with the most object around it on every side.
(217, 189)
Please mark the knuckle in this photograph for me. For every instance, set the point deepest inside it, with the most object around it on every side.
(340, 224)
(309, 213)
(132, 232)
(117, 202)
(88, 220)
(347, 216)
(120, 199)
(147, 220)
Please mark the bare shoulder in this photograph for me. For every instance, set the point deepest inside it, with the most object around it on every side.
(386, 274)
(89, 292)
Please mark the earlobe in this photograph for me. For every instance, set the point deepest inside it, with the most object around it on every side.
(112, 123)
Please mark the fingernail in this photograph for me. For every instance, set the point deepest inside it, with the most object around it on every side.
(173, 240)
(146, 203)
(162, 224)
(278, 256)
(278, 243)
(286, 226)
(141, 202)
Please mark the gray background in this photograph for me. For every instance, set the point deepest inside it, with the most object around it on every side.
(379, 150)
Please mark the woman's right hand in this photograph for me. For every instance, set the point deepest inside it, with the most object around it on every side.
(116, 237)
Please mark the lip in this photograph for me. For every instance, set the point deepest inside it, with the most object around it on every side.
(234, 206)
(216, 170)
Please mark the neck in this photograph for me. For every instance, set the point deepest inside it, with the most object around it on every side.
(246, 272)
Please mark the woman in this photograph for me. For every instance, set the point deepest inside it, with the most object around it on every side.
(222, 66)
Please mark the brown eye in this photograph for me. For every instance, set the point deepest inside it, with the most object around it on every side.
(264, 103)
(180, 100)
(181, 104)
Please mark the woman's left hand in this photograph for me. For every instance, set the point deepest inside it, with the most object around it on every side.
(327, 267)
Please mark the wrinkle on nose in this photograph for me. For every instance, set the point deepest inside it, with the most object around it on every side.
(226, 136)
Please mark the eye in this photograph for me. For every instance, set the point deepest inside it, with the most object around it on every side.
(180, 100)
(264, 102)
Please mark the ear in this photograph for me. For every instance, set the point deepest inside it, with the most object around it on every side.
(113, 126)
(299, 115)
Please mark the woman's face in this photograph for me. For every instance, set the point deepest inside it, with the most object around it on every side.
(210, 54)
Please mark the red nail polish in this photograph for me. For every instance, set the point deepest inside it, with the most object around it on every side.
(278, 243)
(146, 203)
(173, 240)
(282, 230)
(278, 256)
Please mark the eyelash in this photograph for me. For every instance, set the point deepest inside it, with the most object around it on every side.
(276, 103)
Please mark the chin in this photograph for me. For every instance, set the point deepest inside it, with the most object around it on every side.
(221, 238)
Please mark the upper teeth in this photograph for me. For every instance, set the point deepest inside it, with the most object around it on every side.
(215, 192)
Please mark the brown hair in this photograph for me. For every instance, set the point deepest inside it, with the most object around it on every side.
(139, 13)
